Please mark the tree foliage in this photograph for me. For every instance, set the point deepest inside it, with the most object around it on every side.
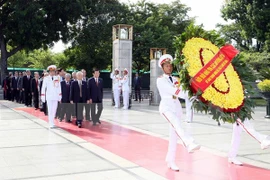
(155, 25)
(37, 59)
(32, 24)
(92, 44)
(251, 21)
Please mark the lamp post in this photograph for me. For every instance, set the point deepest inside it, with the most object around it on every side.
(122, 50)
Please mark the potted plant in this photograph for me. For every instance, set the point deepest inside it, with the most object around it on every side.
(264, 86)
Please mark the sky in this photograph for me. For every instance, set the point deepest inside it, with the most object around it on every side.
(207, 12)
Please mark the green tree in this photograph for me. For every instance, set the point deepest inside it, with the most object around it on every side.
(155, 25)
(251, 20)
(31, 24)
(92, 45)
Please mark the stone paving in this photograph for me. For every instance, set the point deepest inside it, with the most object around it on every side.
(29, 150)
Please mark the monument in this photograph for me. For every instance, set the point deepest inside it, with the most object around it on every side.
(122, 49)
(155, 72)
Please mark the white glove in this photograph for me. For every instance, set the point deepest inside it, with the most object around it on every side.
(43, 99)
(193, 98)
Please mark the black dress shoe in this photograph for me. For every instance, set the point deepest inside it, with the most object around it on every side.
(99, 122)
(79, 126)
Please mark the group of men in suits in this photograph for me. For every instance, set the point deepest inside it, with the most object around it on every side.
(78, 94)
(22, 87)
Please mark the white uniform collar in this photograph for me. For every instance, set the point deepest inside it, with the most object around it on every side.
(167, 76)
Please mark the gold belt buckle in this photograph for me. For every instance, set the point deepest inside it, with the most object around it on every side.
(174, 97)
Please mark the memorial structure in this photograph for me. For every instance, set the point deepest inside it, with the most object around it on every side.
(155, 72)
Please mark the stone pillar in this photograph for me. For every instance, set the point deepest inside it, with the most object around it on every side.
(122, 49)
(155, 72)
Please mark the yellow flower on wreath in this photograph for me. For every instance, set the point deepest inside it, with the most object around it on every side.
(227, 90)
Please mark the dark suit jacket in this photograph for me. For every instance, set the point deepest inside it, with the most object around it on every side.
(75, 92)
(34, 88)
(95, 92)
(65, 88)
(27, 83)
(137, 83)
(14, 82)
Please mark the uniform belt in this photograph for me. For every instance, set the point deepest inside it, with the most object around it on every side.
(170, 97)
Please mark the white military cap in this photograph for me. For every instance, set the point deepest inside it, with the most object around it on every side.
(116, 69)
(165, 58)
(51, 68)
(126, 70)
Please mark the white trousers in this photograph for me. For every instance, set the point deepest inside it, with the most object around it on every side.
(52, 107)
(189, 110)
(126, 99)
(175, 132)
(238, 126)
(116, 96)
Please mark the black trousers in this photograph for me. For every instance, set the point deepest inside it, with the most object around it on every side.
(15, 95)
(21, 98)
(79, 111)
(66, 111)
(27, 98)
(138, 93)
(96, 114)
(44, 108)
(36, 99)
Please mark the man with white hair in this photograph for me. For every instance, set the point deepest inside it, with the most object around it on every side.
(125, 89)
(171, 110)
(51, 84)
(116, 87)
(79, 96)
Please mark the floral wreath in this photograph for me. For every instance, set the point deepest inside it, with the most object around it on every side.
(225, 98)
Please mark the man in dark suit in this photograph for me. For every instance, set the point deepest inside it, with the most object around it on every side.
(87, 106)
(44, 104)
(19, 87)
(79, 96)
(66, 106)
(137, 87)
(6, 88)
(27, 88)
(95, 90)
(35, 90)
(14, 86)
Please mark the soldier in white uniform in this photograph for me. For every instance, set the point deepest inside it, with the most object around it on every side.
(116, 87)
(170, 108)
(125, 89)
(238, 126)
(52, 86)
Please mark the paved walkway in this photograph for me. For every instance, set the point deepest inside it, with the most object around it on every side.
(127, 145)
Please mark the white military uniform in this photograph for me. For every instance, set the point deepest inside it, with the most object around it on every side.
(116, 88)
(238, 126)
(125, 90)
(53, 94)
(170, 108)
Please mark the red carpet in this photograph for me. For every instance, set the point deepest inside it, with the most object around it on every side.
(149, 152)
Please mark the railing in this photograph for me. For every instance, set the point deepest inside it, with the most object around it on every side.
(145, 95)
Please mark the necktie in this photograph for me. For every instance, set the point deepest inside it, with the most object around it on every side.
(37, 83)
(170, 78)
(80, 85)
(52, 78)
(96, 81)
